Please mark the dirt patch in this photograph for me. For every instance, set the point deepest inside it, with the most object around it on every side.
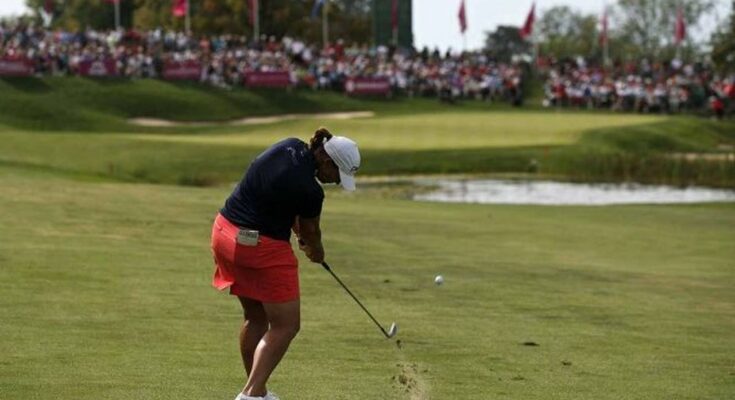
(164, 123)
(410, 381)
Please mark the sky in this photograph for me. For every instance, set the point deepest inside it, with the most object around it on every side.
(436, 23)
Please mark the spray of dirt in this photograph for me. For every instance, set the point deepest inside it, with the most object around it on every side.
(408, 379)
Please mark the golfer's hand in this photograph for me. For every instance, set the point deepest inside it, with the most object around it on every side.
(314, 256)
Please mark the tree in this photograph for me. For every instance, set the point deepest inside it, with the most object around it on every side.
(355, 20)
(348, 19)
(82, 14)
(355, 7)
(647, 26)
(723, 45)
(567, 33)
(505, 43)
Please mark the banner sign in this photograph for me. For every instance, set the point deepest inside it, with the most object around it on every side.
(15, 67)
(275, 79)
(101, 68)
(190, 70)
(368, 86)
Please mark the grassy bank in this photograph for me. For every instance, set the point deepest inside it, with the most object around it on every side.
(577, 147)
(79, 127)
(95, 105)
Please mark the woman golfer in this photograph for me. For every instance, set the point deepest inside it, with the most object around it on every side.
(252, 249)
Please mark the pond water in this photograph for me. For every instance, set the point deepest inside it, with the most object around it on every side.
(488, 191)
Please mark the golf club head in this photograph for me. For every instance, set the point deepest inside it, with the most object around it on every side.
(393, 330)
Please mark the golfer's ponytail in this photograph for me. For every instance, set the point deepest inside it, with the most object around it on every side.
(320, 136)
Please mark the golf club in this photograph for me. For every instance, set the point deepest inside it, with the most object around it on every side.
(393, 327)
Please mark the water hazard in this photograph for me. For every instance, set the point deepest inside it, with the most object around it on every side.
(488, 191)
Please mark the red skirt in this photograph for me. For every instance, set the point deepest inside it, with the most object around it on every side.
(267, 272)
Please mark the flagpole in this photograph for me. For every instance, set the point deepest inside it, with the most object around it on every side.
(534, 43)
(677, 31)
(394, 21)
(463, 24)
(535, 46)
(325, 23)
(606, 38)
(464, 31)
(256, 21)
(187, 20)
(117, 14)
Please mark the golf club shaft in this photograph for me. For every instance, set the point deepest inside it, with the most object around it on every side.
(326, 266)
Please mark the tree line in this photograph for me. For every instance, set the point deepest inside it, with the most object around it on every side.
(636, 29)
(349, 19)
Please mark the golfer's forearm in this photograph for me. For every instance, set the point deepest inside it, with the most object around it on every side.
(310, 234)
(312, 238)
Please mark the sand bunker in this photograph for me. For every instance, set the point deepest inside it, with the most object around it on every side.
(163, 123)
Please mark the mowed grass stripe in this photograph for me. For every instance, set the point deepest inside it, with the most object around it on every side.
(623, 301)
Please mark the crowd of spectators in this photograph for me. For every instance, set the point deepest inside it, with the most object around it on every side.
(642, 86)
(224, 58)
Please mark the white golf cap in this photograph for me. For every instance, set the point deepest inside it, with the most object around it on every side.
(344, 153)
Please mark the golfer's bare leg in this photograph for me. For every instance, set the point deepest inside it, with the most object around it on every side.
(285, 321)
(254, 326)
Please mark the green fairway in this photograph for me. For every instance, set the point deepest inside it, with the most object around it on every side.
(105, 294)
(104, 275)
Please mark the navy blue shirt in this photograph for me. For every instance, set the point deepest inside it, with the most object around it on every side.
(278, 186)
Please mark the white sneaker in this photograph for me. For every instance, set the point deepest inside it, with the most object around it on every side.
(241, 396)
(268, 396)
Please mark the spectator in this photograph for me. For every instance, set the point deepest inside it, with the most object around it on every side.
(643, 87)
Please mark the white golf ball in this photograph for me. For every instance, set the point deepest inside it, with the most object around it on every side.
(439, 280)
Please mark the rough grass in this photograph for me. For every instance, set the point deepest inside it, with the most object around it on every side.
(104, 293)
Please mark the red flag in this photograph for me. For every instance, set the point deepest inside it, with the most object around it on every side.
(603, 28)
(394, 15)
(462, 18)
(179, 8)
(680, 30)
(527, 29)
(252, 11)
